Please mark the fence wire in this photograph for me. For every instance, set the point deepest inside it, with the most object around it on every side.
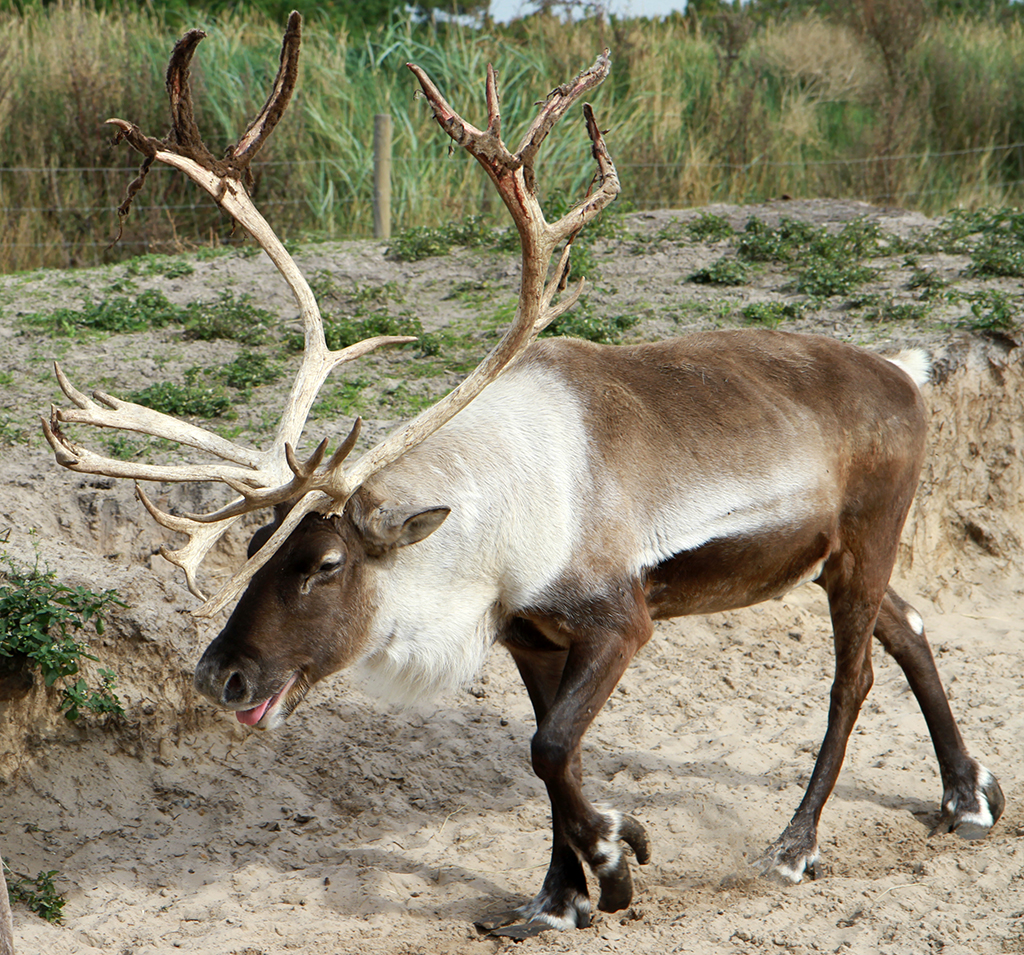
(81, 233)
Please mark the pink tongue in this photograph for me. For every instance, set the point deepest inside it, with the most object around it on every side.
(253, 716)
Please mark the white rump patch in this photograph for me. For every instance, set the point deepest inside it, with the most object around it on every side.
(916, 362)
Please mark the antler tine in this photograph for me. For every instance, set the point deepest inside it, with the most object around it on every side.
(493, 108)
(262, 126)
(179, 91)
(607, 176)
(558, 102)
(201, 539)
(478, 142)
(128, 416)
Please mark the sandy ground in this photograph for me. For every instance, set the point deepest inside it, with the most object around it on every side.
(360, 829)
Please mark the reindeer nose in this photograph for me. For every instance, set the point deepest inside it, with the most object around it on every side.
(235, 688)
(228, 687)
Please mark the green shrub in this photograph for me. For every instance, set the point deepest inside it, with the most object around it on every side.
(770, 313)
(191, 400)
(708, 227)
(39, 894)
(40, 620)
(422, 242)
(230, 317)
(992, 311)
(822, 277)
(149, 309)
(249, 370)
(728, 270)
(582, 324)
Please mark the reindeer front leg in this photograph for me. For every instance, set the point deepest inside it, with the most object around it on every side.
(568, 689)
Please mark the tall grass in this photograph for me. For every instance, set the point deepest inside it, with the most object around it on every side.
(802, 107)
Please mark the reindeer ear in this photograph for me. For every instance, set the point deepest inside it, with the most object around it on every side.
(387, 527)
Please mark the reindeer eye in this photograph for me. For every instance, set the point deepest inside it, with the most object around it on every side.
(330, 562)
(329, 565)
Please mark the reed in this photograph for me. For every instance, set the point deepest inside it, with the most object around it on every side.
(800, 107)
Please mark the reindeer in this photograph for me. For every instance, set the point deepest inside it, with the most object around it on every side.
(561, 500)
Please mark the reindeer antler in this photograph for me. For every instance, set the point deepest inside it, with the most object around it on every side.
(274, 476)
(262, 477)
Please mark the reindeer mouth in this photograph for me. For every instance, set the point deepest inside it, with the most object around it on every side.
(273, 711)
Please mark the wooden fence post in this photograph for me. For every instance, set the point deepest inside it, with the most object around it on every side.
(381, 176)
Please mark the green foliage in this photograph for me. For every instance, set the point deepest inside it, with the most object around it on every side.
(422, 242)
(761, 243)
(581, 323)
(708, 227)
(40, 620)
(10, 433)
(344, 398)
(39, 894)
(193, 399)
(150, 309)
(928, 281)
(230, 317)
(340, 331)
(168, 266)
(828, 263)
(992, 311)
(249, 370)
(698, 115)
(822, 277)
(771, 314)
(728, 270)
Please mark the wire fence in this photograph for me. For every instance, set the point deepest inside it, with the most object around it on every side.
(81, 226)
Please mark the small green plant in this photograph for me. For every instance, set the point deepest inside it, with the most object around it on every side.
(928, 281)
(771, 314)
(727, 270)
(169, 266)
(39, 894)
(887, 310)
(230, 317)
(341, 331)
(708, 227)
(761, 243)
(991, 311)
(192, 399)
(345, 398)
(822, 277)
(581, 323)
(249, 370)
(422, 242)
(149, 309)
(10, 433)
(40, 620)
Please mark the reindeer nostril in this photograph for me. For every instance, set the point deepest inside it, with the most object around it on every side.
(234, 689)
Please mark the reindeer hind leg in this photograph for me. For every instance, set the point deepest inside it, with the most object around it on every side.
(971, 800)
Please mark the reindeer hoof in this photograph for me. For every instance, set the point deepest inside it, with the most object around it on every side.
(971, 809)
(792, 856)
(544, 912)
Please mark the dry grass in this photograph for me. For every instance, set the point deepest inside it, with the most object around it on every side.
(803, 107)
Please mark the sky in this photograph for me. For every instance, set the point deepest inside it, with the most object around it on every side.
(505, 10)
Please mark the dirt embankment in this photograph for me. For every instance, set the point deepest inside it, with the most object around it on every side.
(360, 828)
